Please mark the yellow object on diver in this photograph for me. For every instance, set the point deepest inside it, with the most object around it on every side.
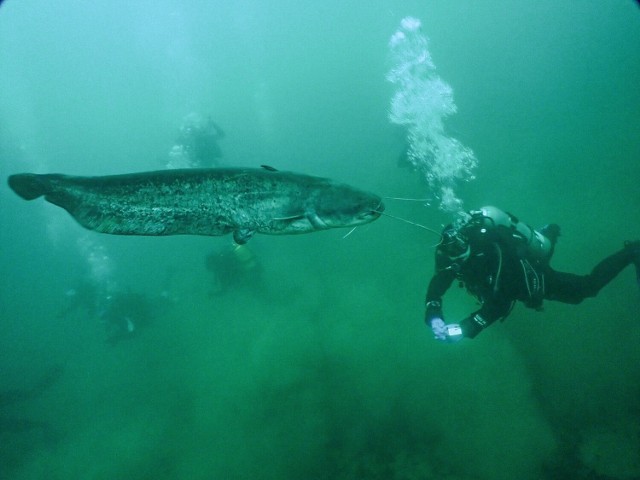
(245, 257)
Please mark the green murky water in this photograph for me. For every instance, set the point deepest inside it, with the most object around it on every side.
(316, 364)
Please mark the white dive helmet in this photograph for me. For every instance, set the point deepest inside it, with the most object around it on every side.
(536, 245)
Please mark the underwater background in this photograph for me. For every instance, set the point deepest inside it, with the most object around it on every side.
(311, 359)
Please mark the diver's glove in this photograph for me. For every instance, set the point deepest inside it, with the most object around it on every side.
(445, 332)
(438, 328)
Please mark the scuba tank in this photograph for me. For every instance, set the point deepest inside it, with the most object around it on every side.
(529, 243)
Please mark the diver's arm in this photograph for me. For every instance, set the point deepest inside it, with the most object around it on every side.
(496, 309)
(433, 317)
(438, 286)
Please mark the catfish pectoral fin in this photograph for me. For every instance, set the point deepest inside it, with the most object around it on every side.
(316, 221)
(242, 236)
(288, 219)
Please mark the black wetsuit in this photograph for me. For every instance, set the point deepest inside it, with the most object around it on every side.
(499, 273)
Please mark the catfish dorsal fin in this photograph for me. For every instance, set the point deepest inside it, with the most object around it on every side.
(269, 168)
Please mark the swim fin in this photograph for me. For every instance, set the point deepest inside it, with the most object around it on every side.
(635, 249)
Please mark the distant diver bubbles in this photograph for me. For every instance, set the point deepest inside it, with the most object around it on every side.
(420, 103)
(99, 263)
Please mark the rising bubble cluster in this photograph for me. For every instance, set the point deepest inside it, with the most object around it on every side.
(421, 102)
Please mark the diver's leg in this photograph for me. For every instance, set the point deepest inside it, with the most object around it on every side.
(564, 287)
(570, 288)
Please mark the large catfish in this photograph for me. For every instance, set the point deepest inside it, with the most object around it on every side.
(218, 201)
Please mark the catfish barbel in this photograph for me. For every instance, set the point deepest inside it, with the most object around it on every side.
(216, 201)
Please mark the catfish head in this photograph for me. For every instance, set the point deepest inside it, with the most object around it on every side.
(339, 205)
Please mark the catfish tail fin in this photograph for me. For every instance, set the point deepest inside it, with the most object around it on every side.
(30, 185)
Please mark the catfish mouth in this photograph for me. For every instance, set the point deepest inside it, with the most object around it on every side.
(376, 212)
(370, 215)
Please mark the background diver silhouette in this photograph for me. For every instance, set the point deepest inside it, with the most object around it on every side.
(501, 260)
(197, 145)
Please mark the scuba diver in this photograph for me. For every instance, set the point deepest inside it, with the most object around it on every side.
(501, 260)
(122, 313)
(197, 144)
(234, 269)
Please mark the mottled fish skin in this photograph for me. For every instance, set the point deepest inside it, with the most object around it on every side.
(204, 202)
